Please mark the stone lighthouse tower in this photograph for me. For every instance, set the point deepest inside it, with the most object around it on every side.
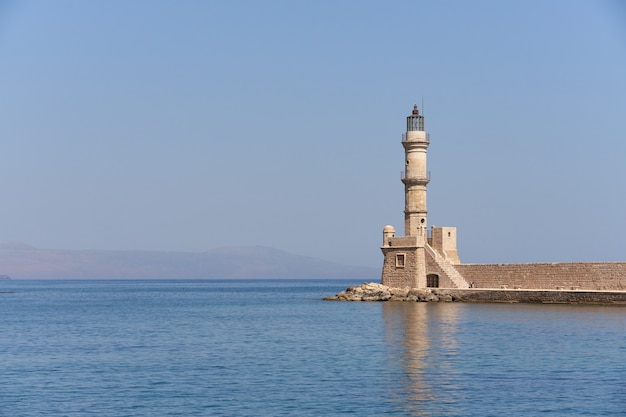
(415, 177)
(405, 256)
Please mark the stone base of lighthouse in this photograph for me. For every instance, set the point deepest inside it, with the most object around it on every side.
(405, 259)
(420, 262)
(404, 264)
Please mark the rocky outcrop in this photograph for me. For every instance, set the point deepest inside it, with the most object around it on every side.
(371, 291)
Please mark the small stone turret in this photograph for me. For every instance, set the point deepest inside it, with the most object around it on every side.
(388, 233)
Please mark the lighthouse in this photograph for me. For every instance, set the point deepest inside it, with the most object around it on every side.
(405, 257)
(416, 260)
(415, 176)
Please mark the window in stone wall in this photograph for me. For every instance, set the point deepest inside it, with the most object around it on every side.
(400, 260)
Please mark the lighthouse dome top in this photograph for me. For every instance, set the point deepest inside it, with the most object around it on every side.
(415, 122)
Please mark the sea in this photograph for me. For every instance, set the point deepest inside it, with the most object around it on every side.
(275, 348)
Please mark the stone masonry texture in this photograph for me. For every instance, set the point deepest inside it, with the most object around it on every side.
(603, 276)
(393, 276)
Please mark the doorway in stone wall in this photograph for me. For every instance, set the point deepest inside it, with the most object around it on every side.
(432, 281)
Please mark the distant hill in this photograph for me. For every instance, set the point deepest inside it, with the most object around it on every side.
(19, 260)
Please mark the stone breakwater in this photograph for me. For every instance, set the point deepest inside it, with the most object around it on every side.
(371, 291)
(377, 292)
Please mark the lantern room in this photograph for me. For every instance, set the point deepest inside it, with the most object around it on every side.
(415, 122)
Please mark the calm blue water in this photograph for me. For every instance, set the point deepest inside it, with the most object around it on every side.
(273, 348)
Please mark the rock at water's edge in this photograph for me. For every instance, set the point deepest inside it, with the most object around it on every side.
(371, 291)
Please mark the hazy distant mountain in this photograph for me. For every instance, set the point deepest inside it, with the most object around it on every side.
(19, 260)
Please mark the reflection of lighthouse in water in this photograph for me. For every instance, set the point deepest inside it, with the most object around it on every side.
(426, 333)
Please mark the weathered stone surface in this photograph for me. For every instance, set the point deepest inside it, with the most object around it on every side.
(592, 276)
(446, 297)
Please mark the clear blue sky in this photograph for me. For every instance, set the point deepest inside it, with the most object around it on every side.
(190, 125)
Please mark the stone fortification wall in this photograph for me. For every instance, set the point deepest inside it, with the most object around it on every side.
(532, 296)
(607, 276)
